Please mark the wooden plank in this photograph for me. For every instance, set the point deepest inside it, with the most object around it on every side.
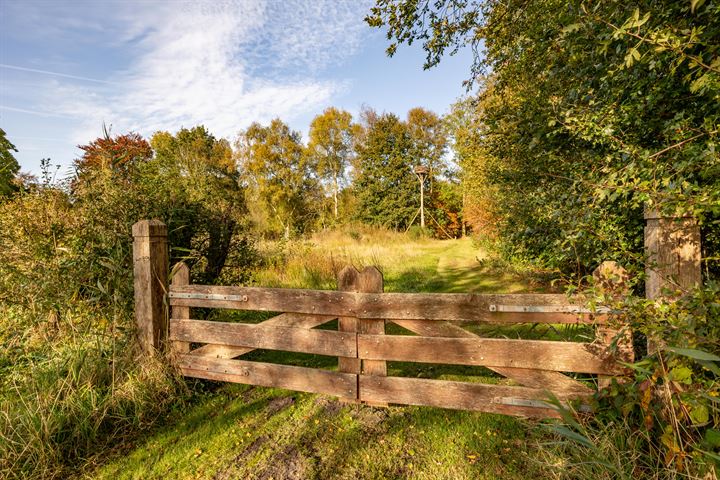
(320, 342)
(534, 354)
(561, 385)
(432, 328)
(270, 375)
(519, 401)
(404, 306)
(510, 318)
(324, 302)
(180, 276)
(296, 320)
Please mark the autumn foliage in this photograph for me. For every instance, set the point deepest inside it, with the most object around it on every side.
(120, 153)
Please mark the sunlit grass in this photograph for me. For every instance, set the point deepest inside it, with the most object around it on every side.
(408, 265)
(247, 432)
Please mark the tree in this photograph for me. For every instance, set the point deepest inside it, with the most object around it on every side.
(385, 185)
(589, 112)
(441, 25)
(332, 135)
(198, 172)
(8, 165)
(120, 154)
(464, 127)
(279, 175)
(429, 138)
(196, 149)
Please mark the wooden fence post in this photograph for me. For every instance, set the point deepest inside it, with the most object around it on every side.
(150, 268)
(672, 246)
(672, 249)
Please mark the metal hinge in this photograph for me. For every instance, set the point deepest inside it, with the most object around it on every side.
(209, 296)
(546, 309)
(522, 402)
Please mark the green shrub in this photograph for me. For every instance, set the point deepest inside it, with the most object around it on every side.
(416, 232)
(70, 384)
(664, 420)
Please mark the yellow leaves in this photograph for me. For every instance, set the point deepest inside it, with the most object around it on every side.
(695, 4)
(631, 57)
(571, 28)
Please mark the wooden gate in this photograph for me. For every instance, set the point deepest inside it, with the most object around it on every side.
(210, 349)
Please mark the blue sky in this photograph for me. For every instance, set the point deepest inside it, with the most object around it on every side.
(68, 66)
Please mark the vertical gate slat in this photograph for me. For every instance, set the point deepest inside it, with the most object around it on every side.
(180, 276)
(371, 281)
(348, 280)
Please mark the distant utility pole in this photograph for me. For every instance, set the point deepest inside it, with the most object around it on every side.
(421, 172)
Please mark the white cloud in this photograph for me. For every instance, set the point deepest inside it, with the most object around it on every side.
(222, 64)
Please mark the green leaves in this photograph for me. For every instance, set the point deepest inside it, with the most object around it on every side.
(278, 172)
(694, 353)
(681, 375)
(572, 435)
(385, 187)
(8, 166)
(574, 27)
(699, 415)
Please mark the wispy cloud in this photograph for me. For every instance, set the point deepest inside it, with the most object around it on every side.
(54, 74)
(38, 113)
(223, 64)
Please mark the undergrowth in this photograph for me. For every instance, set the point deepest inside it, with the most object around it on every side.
(65, 395)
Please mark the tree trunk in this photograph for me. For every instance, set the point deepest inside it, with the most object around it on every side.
(220, 233)
(335, 194)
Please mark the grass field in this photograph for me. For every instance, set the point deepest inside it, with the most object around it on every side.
(235, 431)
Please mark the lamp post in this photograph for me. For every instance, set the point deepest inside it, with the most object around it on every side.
(422, 171)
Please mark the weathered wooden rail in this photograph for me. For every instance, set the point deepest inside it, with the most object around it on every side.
(209, 349)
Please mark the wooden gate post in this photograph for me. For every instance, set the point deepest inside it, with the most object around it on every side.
(370, 280)
(672, 249)
(150, 268)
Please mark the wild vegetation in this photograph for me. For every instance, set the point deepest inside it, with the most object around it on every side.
(588, 113)
(584, 115)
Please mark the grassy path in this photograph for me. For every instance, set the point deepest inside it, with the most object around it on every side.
(459, 266)
(235, 431)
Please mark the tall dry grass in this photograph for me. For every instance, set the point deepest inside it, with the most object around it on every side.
(316, 262)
